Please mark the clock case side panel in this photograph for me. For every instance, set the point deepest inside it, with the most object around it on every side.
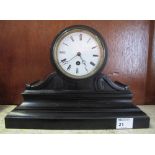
(103, 43)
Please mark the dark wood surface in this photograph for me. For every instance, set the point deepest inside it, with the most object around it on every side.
(150, 88)
(25, 55)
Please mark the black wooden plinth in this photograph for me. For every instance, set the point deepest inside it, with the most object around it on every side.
(74, 118)
(47, 105)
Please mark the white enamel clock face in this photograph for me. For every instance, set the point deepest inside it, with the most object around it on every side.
(78, 53)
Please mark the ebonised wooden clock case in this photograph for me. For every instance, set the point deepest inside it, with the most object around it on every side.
(61, 102)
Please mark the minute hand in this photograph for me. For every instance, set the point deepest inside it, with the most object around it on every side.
(70, 60)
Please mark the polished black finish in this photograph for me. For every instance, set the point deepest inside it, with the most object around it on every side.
(58, 102)
(92, 104)
(74, 118)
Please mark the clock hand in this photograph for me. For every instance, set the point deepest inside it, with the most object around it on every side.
(66, 62)
(83, 61)
(85, 65)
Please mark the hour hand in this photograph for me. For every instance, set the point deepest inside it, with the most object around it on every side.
(84, 62)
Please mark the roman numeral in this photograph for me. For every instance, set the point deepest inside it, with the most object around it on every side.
(65, 44)
(77, 70)
(94, 47)
(69, 67)
(92, 63)
(63, 60)
(80, 36)
(72, 38)
(62, 52)
(95, 55)
(88, 40)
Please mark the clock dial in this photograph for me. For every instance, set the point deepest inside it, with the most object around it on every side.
(78, 53)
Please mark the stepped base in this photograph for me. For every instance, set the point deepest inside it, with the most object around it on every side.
(96, 103)
(42, 117)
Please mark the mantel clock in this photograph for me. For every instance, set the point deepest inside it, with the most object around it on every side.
(78, 95)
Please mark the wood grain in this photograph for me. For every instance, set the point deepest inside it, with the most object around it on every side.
(150, 81)
(24, 49)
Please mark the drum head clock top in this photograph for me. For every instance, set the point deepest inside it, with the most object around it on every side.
(78, 52)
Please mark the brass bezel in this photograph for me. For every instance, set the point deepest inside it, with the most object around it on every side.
(55, 53)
